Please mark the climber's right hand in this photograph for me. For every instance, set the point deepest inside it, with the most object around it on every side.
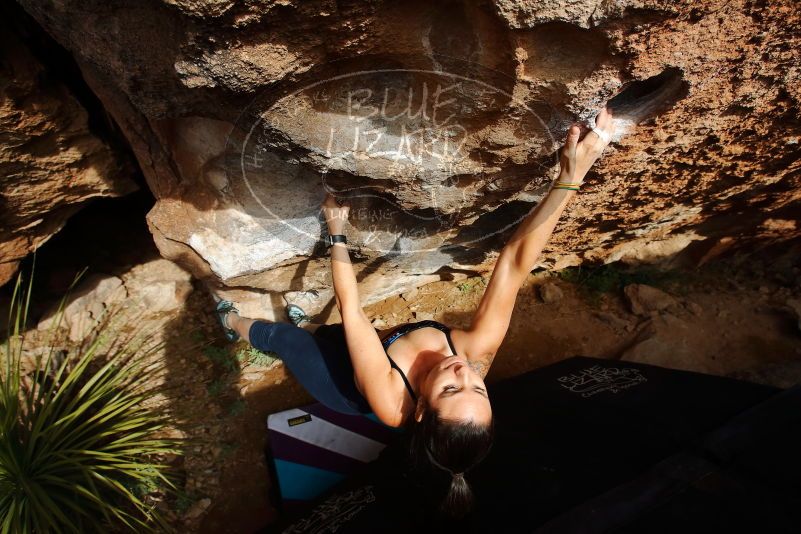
(335, 214)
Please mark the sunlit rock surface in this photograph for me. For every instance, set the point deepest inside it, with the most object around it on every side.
(440, 121)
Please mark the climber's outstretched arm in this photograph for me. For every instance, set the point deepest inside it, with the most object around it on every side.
(518, 257)
(372, 371)
(491, 320)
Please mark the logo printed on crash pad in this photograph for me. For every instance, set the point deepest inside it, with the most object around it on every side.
(295, 421)
(597, 379)
(335, 512)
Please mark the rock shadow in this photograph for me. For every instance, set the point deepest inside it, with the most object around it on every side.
(222, 478)
(642, 99)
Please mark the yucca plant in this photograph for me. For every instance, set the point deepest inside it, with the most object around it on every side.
(77, 434)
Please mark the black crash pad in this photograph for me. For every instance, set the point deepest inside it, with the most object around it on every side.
(588, 445)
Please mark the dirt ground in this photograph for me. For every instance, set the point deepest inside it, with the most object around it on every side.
(719, 321)
(738, 319)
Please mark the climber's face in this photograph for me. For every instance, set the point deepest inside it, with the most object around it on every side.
(456, 392)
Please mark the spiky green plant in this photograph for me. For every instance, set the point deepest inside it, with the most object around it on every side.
(253, 356)
(77, 442)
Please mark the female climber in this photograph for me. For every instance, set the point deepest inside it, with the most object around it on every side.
(424, 375)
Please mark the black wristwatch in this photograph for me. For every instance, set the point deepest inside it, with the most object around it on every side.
(337, 238)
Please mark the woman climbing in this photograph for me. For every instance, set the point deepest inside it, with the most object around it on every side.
(422, 375)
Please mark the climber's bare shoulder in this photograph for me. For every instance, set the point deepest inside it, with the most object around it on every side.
(388, 397)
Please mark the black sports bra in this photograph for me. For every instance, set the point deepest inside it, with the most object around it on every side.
(405, 329)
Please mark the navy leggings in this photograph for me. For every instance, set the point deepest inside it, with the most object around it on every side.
(319, 361)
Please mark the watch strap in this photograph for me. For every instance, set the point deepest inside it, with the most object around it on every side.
(336, 238)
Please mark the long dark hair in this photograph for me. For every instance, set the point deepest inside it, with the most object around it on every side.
(442, 452)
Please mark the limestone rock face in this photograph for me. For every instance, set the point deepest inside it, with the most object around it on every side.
(50, 162)
(440, 123)
(91, 303)
(158, 285)
(144, 290)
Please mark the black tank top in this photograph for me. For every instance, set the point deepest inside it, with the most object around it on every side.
(405, 329)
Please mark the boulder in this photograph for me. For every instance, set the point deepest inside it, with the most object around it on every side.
(440, 124)
(158, 285)
(138, 295)
(51, 162)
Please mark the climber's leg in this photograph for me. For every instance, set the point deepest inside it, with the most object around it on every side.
(322, 365)
(240, 325)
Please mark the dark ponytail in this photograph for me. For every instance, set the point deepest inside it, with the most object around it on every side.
(442, 453)
(459, 499)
